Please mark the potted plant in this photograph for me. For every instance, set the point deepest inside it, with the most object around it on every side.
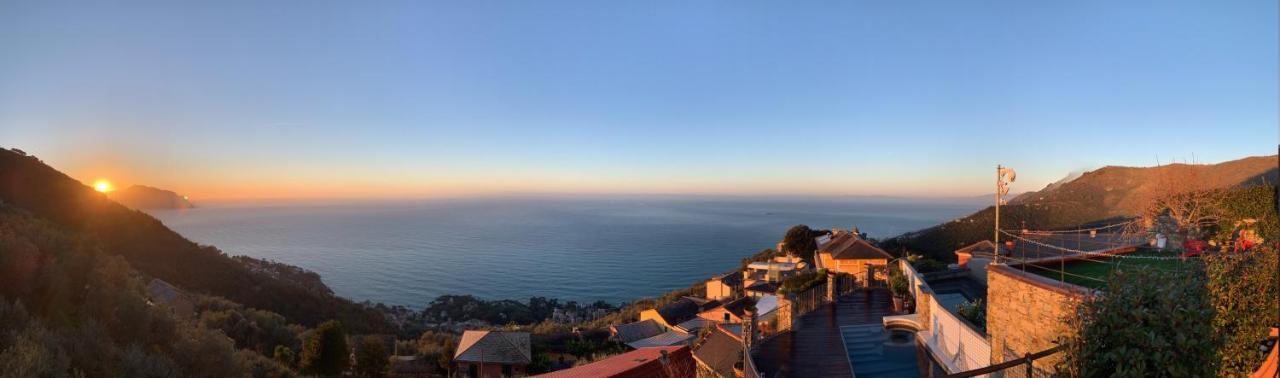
(899, 286)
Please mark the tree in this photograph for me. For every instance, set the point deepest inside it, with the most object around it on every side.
(799, 241)
(325, 352)
(284, 355)
(372, 356)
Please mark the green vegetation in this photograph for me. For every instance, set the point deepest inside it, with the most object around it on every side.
(372, 356)
(975, 311)
(1204, 320)
(799, 241)
(802, 282)
(156, 251)
(1147, 323)
(325, 351)
(67, 308)
(1093, 272)
(898, 284)
(537, 309)
(1244, 293)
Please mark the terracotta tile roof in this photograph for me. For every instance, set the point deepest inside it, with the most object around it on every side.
(633, 331)
(644, 362)
(984, 246)
(720, 351)
(495, 347)
(850, 246)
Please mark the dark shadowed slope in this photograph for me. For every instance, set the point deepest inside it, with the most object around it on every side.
(155, 250)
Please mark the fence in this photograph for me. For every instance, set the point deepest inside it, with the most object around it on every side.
(1021, 367)
(798, 304)
(951, 339)
(958, 344)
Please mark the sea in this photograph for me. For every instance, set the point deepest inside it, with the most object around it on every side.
(615, 249)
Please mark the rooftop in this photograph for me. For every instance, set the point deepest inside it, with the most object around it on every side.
(668, 338)
(848, 245)
(494, 347)
(816, 348)
(643, 362)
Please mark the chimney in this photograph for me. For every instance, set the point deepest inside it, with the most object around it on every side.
(665, 359)
(749, 327)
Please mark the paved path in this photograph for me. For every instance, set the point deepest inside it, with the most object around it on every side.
(815, 349)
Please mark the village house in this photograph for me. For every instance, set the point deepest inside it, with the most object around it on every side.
(720, 353)
(676, 323)
(650, 362)
(725, 286)
(678, 311)
(485, 354)
(729, 313)
(762, 277)
(848, 252)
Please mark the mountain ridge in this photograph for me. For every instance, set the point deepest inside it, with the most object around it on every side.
(1101, 195)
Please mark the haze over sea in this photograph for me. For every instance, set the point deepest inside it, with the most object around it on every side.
(614, 249)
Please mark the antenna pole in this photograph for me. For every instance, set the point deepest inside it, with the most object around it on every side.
(997, 228)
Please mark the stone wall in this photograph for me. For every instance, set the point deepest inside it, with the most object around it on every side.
(1026, 313)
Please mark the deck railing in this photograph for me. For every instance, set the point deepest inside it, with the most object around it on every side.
(1021, 367)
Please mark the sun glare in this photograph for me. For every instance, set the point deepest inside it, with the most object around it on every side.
(102, 186)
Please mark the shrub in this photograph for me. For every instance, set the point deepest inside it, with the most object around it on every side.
(1243, 293)
(975, 311)
(1147, 323)
(802, 282)
(899, 285)
(325, 352)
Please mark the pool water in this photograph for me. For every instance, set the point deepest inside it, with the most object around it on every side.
(878, 352)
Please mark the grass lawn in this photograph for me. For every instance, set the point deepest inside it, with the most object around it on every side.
(1097, 269)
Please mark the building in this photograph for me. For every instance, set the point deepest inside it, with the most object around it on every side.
(676, 312)
(720, 353)
(655, 362)
(847, 252)
(773, 271)
(982, 249)
(676, 323)
(729, 313)
(484, 354)
(725, 286)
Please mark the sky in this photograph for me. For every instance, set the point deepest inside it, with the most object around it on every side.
(318, 99)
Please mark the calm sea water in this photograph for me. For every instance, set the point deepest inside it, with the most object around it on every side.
(407, 253)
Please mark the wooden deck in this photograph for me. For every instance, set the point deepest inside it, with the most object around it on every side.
(815, 349)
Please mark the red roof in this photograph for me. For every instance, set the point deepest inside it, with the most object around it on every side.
(643, 362)
(849, 246)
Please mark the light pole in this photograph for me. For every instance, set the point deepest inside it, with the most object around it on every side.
(1002, 188)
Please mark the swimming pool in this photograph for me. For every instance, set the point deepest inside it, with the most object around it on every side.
(875, 351)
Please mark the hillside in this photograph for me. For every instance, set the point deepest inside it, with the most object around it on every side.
(145, 197)
(1098, 196)
(28, 184)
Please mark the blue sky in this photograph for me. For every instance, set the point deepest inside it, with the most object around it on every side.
(415, 99)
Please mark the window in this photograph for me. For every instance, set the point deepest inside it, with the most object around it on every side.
(506, 370)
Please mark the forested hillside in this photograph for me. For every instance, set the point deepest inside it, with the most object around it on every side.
(1102, 196)
(147, 245)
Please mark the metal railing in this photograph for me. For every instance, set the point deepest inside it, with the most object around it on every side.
(1018, 367)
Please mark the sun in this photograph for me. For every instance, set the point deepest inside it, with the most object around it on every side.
(102, 185)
